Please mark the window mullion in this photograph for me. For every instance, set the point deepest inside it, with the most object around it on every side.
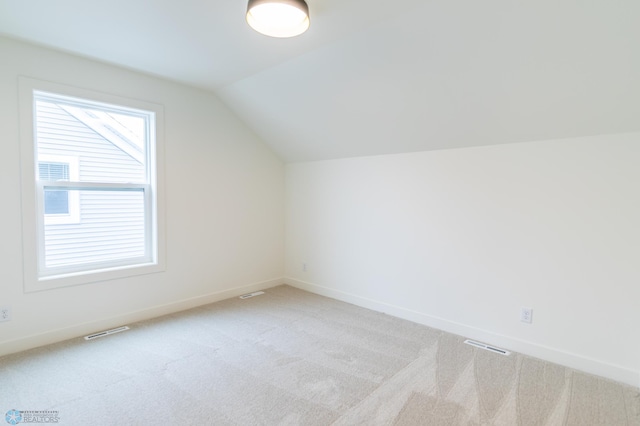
(92, 186)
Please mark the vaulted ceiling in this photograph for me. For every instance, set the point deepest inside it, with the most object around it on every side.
(375, 77)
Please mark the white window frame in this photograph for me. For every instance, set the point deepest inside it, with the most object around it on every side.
(74, 201)
(36, 276)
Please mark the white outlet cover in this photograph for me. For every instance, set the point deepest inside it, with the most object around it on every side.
(5, 313)
(526, 315)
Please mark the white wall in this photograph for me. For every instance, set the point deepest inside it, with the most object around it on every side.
(462, 239)
(224, 206)
(457, 239)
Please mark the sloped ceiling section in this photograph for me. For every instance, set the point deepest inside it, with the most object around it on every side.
(375, 77)
(453, 74)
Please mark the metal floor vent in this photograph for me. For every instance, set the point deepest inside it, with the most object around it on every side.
(106, 333)
(487, 347)
(254, 294)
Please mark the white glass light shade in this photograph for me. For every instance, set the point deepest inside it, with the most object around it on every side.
(278, 18)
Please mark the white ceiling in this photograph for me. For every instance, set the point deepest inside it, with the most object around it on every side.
(375, 77)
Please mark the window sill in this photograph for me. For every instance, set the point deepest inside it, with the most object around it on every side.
(94, 276)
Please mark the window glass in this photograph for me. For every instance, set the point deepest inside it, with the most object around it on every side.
(56, 201)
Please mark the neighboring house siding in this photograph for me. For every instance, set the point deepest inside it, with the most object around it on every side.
(111, 224)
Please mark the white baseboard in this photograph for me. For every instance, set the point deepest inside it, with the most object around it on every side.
(574, 361)
(58, 335)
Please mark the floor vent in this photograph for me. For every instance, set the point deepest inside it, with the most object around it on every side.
(254, 294)
(487, 347)
(106, 333)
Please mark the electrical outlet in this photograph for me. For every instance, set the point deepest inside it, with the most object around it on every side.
(5, 313)
(526, 315)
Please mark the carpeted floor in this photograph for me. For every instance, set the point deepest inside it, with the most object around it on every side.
(289, 357)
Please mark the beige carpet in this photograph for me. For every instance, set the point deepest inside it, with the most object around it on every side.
(293, 358)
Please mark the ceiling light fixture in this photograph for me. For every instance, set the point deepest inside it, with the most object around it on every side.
(278, 18)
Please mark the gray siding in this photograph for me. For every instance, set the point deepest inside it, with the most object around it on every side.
(111, 224)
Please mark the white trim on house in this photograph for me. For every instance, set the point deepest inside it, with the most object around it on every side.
(107, 127)
(74, 200)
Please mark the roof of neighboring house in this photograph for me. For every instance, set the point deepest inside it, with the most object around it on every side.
(107, 126)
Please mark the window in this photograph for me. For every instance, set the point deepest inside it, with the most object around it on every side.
(60, 206)
(56, 202)
(91, 195)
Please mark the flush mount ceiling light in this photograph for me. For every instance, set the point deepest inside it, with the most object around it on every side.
(278, 18)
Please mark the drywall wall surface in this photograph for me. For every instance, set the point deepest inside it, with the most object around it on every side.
(463, 239)
(224, 193)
